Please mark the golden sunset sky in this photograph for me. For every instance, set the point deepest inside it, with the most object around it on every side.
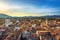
(29, 7)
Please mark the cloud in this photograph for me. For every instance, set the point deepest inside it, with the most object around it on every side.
(33, 9)
(4, 6)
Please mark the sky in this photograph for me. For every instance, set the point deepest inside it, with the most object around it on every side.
(30, 7)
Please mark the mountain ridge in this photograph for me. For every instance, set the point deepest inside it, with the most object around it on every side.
(5, 16)
(46, 16)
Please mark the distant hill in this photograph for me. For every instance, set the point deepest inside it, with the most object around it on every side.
(51, 16)
(4, 16)
(47, 16)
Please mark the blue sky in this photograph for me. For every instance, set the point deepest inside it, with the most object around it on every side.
(31, 7)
